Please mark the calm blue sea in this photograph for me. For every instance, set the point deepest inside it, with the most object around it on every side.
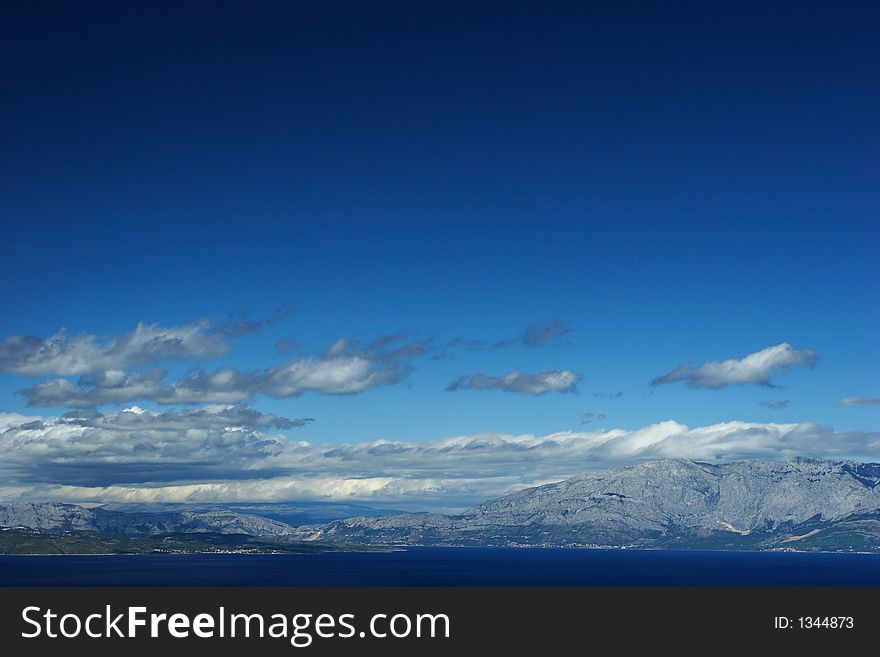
(450, 567)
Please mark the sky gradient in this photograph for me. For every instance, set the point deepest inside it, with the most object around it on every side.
(412, 223)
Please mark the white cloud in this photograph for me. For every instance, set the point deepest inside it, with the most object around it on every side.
(62, 355)
(224, 453)
(345, 369)
(227, 418)
(860, 401)
(342, 375)
(113, 387)
(758, 367)
(516, 381)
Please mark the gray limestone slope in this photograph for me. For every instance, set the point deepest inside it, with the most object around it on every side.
(55, 517)
(651, 503)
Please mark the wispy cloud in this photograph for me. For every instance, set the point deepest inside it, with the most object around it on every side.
(775, 406)
(346, 368)
(62, 355)
(467, 343)
(285, 346)
(240, 324)
(589, 418)
(516, 381)
(860, 401)
(197, 456)
(538, 335)
(759, 368)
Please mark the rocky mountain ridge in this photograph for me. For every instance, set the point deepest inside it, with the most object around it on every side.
(799, 504)
(670, 503)
(55, 517)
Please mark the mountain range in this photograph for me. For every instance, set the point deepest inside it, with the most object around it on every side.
(800, 504)
(758, 505)
(53, 517)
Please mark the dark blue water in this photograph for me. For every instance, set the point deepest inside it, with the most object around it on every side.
(450, 567)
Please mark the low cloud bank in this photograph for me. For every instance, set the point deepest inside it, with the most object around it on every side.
(228, 453)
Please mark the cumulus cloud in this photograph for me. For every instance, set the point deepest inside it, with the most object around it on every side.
(196, 456)
(775, 406)
(228, 418)
(758, 367)
(63, 355)
(860, 401)
(522, 382)
(346, 368)
(113, 387)
(86, 451)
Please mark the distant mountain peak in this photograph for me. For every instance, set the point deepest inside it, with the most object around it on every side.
(673, 502)
(55, 516)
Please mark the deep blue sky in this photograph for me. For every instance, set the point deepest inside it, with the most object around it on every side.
(695, 182)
